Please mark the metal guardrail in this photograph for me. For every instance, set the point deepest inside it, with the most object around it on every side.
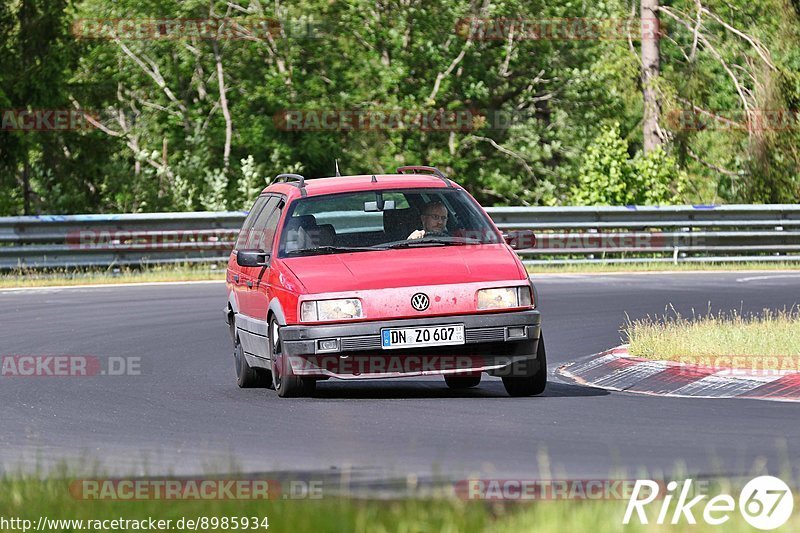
(56, 241)
(729, 233)
(631, 234)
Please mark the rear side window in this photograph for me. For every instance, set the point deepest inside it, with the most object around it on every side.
(249, 220)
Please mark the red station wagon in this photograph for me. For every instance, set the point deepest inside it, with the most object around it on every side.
(376, 276)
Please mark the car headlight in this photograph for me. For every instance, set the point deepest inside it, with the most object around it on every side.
(504, 297)
(324, 310)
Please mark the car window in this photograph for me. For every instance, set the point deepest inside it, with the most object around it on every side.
(356, 220)
(263, 230)
(241, 239)
(399, 199)
(345, 212)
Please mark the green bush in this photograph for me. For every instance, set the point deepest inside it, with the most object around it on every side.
(608, 176)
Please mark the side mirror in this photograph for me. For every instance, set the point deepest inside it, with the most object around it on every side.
(251, 258)
(520, 239)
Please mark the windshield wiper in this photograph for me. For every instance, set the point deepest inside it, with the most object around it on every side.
(416, 243)
(329, 250)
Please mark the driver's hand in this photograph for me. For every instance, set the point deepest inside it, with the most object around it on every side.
(420, 233)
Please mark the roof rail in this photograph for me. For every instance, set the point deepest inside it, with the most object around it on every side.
(300, 181)
(432, 170)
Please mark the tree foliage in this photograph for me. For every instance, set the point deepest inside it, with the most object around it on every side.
(194, 123)
(608, 176)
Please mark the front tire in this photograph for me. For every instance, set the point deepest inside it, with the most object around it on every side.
(285, 382)
(532, 384)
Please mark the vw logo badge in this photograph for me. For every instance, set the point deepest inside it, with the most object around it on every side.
(420, 301)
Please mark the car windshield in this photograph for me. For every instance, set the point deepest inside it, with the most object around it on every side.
(375, 220)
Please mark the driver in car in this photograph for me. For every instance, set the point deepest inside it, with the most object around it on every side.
(434, 221)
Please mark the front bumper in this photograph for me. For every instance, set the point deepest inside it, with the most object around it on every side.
(492, 342)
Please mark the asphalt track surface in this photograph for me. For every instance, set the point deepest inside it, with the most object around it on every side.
(184, 414)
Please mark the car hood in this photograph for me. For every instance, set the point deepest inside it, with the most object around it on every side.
(405, 267)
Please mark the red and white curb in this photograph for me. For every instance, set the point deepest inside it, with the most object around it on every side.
(616, 370)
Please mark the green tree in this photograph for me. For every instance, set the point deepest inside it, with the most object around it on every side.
(189, 123)
(608, 176)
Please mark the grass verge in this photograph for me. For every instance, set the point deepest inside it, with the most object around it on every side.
(116, 275)
(589, 268)
(29, 498)
(744, 339)
(22, 278)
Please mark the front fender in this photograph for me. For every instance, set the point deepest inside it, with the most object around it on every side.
(275, 308)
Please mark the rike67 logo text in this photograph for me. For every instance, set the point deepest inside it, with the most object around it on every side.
(765, 503)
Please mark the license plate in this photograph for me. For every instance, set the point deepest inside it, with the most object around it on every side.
(424, 336)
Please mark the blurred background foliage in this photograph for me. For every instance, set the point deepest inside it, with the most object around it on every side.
(190, 123)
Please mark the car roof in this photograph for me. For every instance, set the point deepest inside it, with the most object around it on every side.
(365, 182)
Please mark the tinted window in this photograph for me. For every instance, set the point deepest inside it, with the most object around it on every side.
(259, 236)
(357, 220)
(345, 212)
(248, 221)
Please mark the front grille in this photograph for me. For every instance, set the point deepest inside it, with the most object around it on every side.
(367, 342)
(486, 335)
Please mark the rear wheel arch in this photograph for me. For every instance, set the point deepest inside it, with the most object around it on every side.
(233, 310)
(232, 326)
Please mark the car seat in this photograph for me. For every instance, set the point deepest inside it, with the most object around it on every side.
(299, 231)
(323, 235)
(399, 223)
